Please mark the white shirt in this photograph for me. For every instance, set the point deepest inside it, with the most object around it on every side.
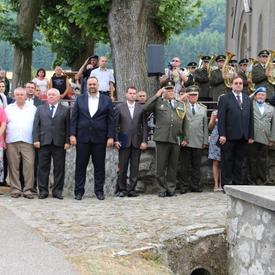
(55, 108)
(93, 103)
(19, 123)
(30, 100)
(104, 76)
(240, 94)
(261, 107)
(131, 108)
(193, 106)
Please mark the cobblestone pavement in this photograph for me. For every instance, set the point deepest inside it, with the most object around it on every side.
(118, 224)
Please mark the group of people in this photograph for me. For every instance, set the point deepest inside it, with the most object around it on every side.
(36, 127)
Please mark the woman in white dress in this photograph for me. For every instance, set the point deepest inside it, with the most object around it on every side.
(42, 82)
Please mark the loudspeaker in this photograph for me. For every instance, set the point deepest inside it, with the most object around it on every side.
(155, 60)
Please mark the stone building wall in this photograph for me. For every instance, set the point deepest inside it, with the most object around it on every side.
(251, 230)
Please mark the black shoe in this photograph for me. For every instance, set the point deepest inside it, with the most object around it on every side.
(28, 196)
(133, 194)
(197, 190)
(78, 197)
(15, 195)
(42, 196)
(34, 191)
(121, 194)
(60, 197)
(4, 183)
(162, 194)
(100, 196)
(171, 194)
(183, 191)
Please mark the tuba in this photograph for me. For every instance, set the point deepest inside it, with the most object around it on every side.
(228, 71)
(210, 66)
(271, 67)
(252, 63)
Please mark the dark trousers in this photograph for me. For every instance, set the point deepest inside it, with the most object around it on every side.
(232, 157)
(257, 163)
(166, 165)
(128, 155)
(45, 154)
(83, 153)
(189, 174)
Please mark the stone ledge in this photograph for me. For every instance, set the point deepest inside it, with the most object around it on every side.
(263, 196)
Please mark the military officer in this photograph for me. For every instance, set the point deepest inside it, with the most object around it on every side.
(189, 79)
(169, 114)
(242, 72)
(216, 79)
(202, 78)
(195, 138)
(260, 73)
(264, 136)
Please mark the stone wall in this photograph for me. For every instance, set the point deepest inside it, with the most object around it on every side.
(251, 230)
(146, 172)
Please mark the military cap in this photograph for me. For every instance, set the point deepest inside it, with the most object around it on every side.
(193, 89)
(244, 61)
(192, 64)
(260, 90)
(233, 62)
(206, 58)
(220, 57)
(94, 56)
(263, 52)
(168, 83)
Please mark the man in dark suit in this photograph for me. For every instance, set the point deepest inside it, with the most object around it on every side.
(51, 138)
(92, 129)
(130, 139)
(236, 128)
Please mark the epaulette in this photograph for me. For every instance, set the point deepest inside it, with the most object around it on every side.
(202, 105)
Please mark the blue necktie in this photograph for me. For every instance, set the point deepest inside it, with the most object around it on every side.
(52, 110)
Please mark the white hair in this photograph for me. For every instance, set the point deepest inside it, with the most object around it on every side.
(20, 89)
(53, 90)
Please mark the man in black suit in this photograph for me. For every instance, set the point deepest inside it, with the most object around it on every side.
(92, 129)
(51, 138)
(130, 139)
(236, 128)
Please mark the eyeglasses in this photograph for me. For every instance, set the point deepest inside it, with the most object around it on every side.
(175, 60)
(237, 83)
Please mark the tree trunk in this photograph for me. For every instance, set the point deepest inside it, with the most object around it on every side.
(131, 29)
(86, 51)
(22, 62)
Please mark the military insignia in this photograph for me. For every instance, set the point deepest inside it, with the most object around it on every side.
(181, 112)
(161, 106)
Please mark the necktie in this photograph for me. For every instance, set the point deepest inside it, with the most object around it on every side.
(193, 109)
(52, 110)
(239, 101)
(170, 103)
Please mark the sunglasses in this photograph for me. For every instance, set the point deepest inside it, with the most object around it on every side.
(237, 83)
(193, 67)
(175, 61)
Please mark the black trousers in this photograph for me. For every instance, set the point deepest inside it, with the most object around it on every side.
(232, 158)
(257, 163)
(189, 174)
(45, 154)
(83, 153)
(128, 155)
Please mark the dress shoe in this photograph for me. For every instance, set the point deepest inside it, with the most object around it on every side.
(42, 196)
(15, 195)
(100, 196)
(28, 196)
(133, 194)
(162, 194)
(78, 197)
(183, 191)
(121, 194)
(171, 194)
(196, 190)
(60, 197)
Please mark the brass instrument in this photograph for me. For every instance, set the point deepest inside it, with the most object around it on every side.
(200, 61)
(228, 71)
(271, 67)
(252, 63)
(210, 65)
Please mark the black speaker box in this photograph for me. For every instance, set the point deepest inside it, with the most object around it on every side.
(155, 60)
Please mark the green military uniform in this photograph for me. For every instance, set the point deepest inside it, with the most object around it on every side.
(196, 135)
(243, 76)
(169, 124)
(202, 80)
(217, 86)
(264, 132)
(260, 79)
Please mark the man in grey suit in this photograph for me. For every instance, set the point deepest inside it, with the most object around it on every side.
(195, 138)
(264, 136)
(130, 139)
(51, 137)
